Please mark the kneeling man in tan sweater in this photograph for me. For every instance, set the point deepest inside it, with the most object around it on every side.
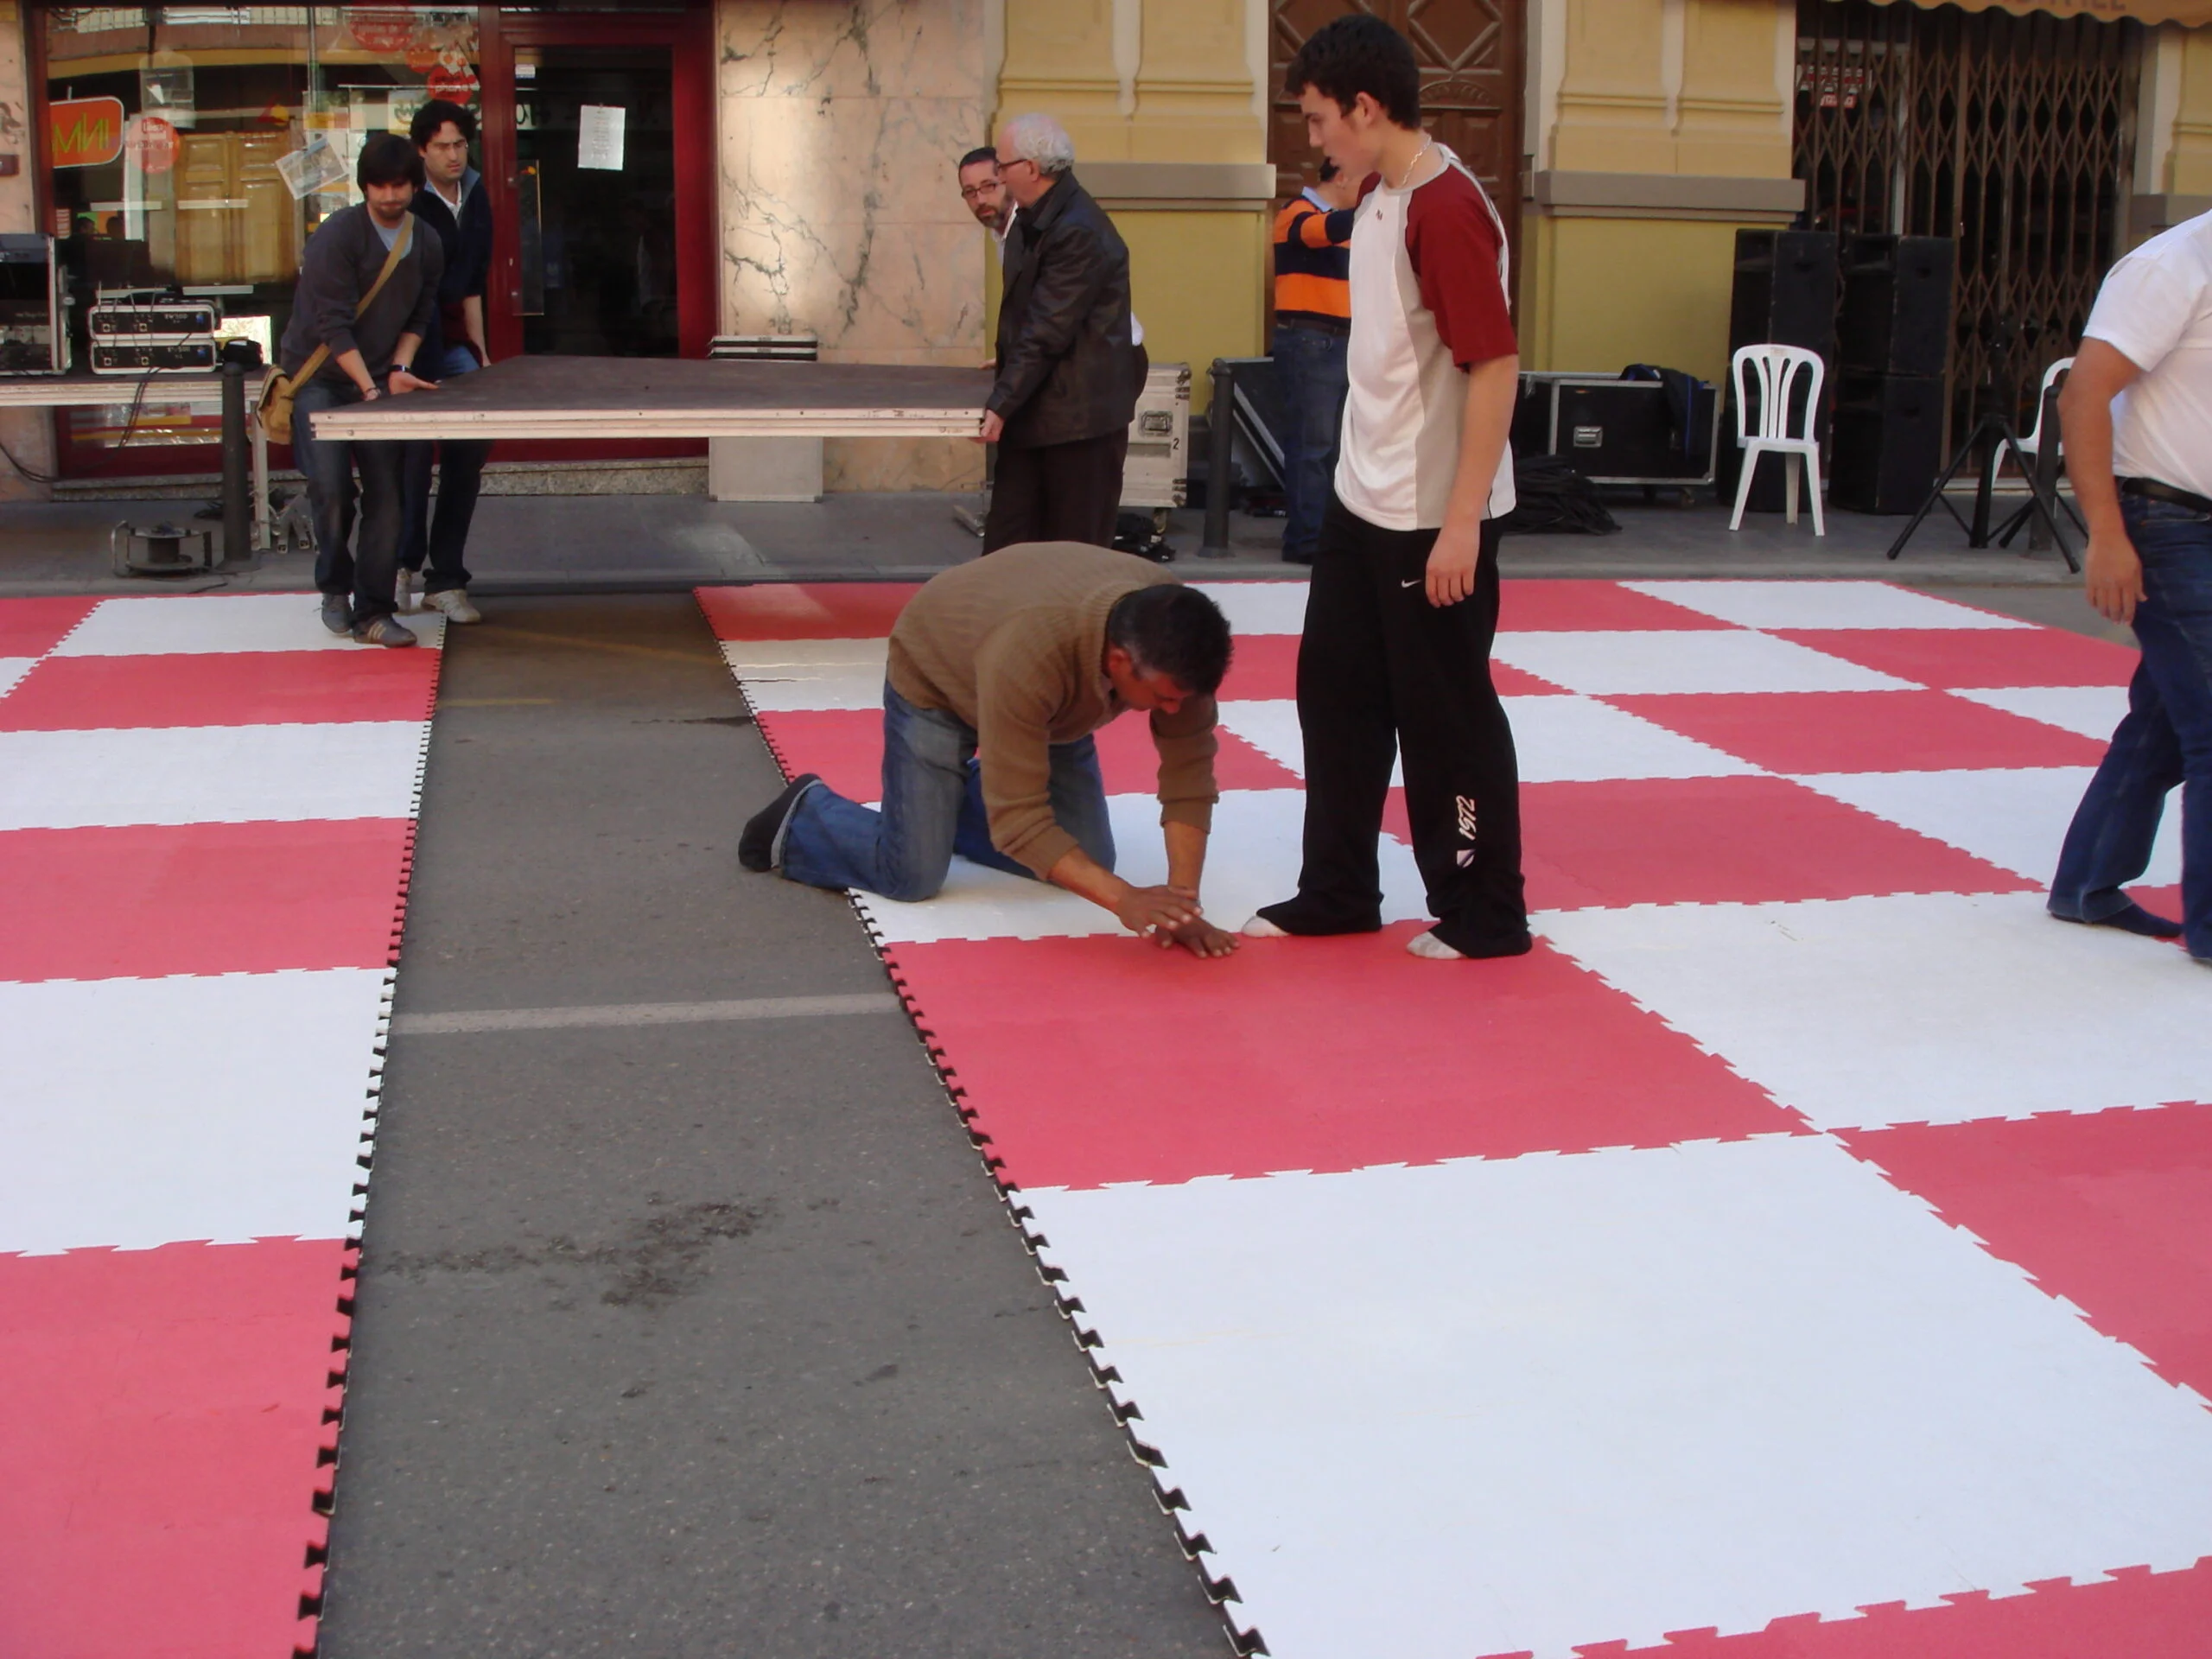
(999, 671)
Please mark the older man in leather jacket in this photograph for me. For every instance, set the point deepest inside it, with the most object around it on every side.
(1069, 368)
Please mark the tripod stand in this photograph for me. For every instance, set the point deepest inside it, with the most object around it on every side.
(1992, 438)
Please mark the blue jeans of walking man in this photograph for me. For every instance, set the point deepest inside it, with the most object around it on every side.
(362, 568)
(1311, 375)
(932, 808)
(2164, 742)
(442, 540)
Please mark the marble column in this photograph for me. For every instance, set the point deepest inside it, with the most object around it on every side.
(28, 433)
(840, 125)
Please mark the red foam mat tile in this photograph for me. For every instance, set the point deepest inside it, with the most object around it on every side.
(846, 746)
(256, 688)
(161, 1422)
(2111, 1210)
(2137, 1614)
(1133, 1064)
(147, 900)
(1973, 658)
(806, 610)
(1552, 604)
(31, 627)
(1808, 732)
(1668, 841)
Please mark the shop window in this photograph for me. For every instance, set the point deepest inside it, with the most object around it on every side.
(198, 147)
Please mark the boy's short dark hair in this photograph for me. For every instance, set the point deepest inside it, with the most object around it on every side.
(981, 153)
(1359, 54)
(1172, 630)
(387, 158)
(434, 115)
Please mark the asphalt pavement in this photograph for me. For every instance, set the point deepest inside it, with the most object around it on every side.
(703, 1337)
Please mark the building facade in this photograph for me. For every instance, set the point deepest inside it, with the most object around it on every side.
(666, 171)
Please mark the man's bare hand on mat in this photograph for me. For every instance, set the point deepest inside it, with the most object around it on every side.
(1200, 938)
(1155, 910)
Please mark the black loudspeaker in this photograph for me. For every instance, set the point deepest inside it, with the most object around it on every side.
(1785, 291)
(1887, 443)
(1896, 317)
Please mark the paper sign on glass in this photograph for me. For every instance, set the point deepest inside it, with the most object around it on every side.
(598, 137)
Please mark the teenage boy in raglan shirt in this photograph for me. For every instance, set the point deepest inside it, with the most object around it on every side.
(1404, 598)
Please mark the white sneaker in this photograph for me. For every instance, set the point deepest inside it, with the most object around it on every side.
(1261, 928)
(402, 590)
(454, 602)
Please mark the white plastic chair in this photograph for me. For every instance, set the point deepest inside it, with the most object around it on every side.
(2032, 440)
(1779, 368)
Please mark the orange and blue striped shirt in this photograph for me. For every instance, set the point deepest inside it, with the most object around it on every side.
(1313, 263)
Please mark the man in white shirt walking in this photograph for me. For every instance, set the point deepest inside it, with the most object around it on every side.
(2136, 415)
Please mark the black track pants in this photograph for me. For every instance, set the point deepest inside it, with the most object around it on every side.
(1381, 670)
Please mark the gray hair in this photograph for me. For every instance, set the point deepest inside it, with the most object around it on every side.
(1037, 138)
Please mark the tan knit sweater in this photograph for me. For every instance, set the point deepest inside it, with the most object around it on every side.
(1014, 647)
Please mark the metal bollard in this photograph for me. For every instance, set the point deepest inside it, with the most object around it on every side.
(1221, 459)
(237, 490)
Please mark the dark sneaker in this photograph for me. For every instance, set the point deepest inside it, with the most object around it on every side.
(337, 614)
(384, 631)
(756, 847)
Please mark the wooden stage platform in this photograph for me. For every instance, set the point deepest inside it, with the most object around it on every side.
(607, 398)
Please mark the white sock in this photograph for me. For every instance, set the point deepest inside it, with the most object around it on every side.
(1428, 945)
(1261, 928)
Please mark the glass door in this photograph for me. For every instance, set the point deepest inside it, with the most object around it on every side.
(598, 140)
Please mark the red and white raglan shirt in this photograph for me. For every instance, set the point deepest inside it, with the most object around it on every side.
(1429, 275)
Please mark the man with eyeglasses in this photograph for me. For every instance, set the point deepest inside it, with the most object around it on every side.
(984, 193)
(1069, 364)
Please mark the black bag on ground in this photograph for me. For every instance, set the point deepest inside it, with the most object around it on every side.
(1554, 500)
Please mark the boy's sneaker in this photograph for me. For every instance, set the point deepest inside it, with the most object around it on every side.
(384, 631)
(453, 603)
(338, 614)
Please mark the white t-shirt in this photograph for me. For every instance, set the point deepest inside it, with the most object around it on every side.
(2155, 308)
(1429, 274)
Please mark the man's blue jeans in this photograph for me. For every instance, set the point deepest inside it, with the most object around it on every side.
(1311, 375)
(364, 569)
(932, 808)
(461, 478)
(2164, 742)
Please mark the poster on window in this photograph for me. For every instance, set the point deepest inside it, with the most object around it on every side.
(598, 137)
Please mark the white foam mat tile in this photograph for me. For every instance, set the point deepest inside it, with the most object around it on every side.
(1253, 860)
(1575, 739)
(138, 1112)
(788, 659)
(2015, 819)
(2089, 711)
(12, 669)
(219, 622)
(1259, 606)
(216, 774)
(787, 688)
(1821, 605)
(1928, 1007)
(1628, 662)
(1530, 1404)
(1270, 725)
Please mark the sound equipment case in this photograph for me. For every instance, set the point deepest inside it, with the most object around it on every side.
(1610, 430)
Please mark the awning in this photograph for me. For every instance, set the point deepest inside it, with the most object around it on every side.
(2190, 13)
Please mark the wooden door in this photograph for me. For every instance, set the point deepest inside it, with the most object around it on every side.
(1473, 60)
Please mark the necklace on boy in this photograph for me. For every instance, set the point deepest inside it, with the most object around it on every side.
(1406, 177)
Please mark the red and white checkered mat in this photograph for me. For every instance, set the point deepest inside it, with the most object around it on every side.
(207, 815)
(1806, 1253)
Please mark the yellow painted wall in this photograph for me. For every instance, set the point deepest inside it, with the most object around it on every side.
(1600, 294)
(1193, 284)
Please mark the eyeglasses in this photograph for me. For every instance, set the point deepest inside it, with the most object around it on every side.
(977, 192)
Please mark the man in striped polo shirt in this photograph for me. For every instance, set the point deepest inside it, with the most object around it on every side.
(1395, 659)
(1313, 328)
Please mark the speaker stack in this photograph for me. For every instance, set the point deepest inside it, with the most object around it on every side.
(1783, 294)
(1894, 337)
